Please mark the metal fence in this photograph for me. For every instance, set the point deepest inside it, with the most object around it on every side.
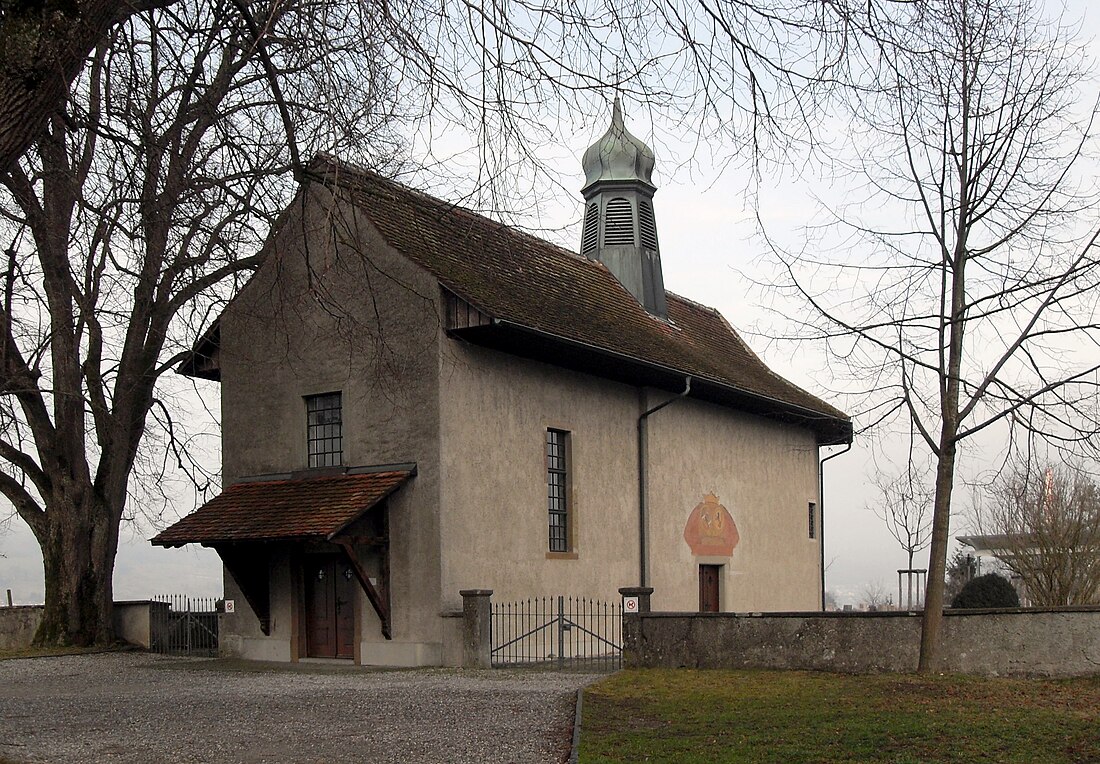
(183, 625)
(558, 632)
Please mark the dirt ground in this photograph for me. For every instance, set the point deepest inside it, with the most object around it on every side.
(135, 707)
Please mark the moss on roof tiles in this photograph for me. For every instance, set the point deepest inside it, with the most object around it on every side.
(519, 278)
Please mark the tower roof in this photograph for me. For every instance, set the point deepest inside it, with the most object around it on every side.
(618, 156)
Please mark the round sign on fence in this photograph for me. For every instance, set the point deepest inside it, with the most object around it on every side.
(630, 604)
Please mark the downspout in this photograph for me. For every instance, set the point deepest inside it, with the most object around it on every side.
(821, 514)
(643, 468)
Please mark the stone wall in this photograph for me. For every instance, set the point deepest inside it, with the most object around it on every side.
(1016, 642)
(17, 625)
(133, 623)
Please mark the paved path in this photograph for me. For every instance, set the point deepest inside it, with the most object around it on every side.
(133, 707)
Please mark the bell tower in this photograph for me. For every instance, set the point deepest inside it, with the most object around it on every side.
(619, 228)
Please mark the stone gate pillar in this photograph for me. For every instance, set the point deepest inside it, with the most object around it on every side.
(477, 644)
(632, 622)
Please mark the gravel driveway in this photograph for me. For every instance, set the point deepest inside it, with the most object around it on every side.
(134, 707)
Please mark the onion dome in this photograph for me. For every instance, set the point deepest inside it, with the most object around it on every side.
(618, 156)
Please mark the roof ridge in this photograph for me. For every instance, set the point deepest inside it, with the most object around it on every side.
(694, 303)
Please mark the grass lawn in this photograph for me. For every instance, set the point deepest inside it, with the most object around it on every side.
(771, 716)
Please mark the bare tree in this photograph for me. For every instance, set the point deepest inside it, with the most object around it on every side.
(45, 44)
(142, 206)
(906, 508)
(164, 136)
(969, 306)
(1043, 523)
(747, 73)
(876, 597)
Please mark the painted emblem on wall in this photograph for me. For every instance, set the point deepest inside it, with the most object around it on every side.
(710, 530)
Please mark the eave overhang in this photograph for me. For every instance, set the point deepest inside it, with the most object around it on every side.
(538, 345)
(202, 360)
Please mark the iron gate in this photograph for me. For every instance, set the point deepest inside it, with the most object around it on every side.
(559, 632)
(183, 625)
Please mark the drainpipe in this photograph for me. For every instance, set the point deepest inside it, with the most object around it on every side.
(821, 514)
(643, 467)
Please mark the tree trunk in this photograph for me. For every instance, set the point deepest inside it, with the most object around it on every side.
(78, 557)
(932, 617)
(909, 587)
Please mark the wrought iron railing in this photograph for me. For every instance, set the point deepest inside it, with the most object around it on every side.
(559, 632)
(183, 625)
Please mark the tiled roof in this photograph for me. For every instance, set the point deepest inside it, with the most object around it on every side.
(283, 509)
(519, 278)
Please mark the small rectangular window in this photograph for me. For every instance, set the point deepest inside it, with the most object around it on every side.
(812, 518)
(324, 430)
(557, 489)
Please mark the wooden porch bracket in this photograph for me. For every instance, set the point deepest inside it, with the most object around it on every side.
(249, 564)
(378, 600)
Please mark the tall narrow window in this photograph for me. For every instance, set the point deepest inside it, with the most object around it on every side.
(324, 430)
(812, 520)
(557, 488)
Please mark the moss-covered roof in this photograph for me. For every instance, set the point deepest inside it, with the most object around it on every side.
(522, 280)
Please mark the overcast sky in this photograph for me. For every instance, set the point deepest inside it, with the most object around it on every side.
(708, 236)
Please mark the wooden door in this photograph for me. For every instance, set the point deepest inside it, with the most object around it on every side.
(344, 602)
(330, 607)
(708, 588)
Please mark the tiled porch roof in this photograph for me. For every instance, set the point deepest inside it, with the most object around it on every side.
(272, 510)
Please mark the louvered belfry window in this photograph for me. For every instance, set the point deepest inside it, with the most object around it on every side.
(590, 234)
(647, 225)
(324, 430)
(619, 223)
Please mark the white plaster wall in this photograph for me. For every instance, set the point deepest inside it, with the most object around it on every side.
(765, 474)
(239, 632)
(343, 313)
(495, 409)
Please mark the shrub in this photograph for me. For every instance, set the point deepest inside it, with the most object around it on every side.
(989, 590)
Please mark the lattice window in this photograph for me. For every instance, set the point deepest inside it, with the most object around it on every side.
(812, 519)
(324, 430)
(557, 489)
(619, 223)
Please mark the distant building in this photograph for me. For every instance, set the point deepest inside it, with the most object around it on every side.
(418, 400)
(1002, 548)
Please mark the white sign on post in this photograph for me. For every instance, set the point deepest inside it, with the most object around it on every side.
(630, 604)
(230, 606)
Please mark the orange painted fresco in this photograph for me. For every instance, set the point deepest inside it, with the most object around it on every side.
(710, 530)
